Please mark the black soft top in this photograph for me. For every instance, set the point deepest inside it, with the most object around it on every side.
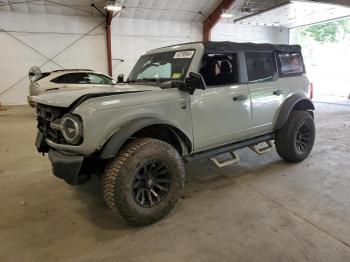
(226, 46)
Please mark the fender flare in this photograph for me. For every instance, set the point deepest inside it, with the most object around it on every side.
(117, 140)
(294, 102)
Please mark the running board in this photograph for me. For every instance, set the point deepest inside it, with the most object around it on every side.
(262, 150)
(235, 158)
(211, 153)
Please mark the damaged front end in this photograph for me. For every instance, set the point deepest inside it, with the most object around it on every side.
(70, 167)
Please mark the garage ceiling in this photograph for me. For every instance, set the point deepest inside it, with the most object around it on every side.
(183, 10)
(295, 14)
(180, 10)
(290, 15)
(62, 7)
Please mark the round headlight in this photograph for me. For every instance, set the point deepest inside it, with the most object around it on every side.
(71, 129)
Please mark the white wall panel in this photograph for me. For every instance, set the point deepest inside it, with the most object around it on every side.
(49, 34)
(133, 37)
(248, 33)
(130, 39)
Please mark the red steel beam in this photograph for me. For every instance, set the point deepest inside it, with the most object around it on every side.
(109, 18)
(214, 18)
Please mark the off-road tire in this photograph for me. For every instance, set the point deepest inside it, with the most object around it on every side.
(287, 137)
(119, 176)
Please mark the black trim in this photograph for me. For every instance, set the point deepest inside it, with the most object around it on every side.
(289, 104)
(229, 148)
(67, 167)
(75, 70)
(83, 98)
(226, 46)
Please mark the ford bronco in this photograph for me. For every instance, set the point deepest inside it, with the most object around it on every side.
(180, 103)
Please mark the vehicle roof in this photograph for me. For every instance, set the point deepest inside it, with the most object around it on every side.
(226, 46)
(230, 46)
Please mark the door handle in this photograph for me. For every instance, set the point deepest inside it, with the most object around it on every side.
(278, 92)
(240, 98)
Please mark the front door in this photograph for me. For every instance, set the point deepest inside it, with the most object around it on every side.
(221, 113)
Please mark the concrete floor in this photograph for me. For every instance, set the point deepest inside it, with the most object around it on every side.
(261, 209)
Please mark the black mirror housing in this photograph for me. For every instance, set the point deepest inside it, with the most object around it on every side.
(120, 78)
(194, 81)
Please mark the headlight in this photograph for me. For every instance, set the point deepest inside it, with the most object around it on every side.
(71, 128)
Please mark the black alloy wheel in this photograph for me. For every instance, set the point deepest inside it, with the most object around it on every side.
(303, 137)
(295, 140)
(151, 184)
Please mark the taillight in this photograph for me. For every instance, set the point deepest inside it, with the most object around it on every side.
(311, 90)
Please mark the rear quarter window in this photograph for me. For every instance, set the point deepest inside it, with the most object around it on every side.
(290, 64)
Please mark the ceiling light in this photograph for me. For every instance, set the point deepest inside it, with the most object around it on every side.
(226, 14)
(223, 15)
(113, 6)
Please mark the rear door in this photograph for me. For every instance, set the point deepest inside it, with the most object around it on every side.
(267, 92)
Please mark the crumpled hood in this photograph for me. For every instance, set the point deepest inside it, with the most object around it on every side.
(66, 97)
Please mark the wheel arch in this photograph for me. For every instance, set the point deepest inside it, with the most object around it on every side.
(152, 128)
(293, 103)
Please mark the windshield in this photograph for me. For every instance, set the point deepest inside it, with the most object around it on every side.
(160, 67)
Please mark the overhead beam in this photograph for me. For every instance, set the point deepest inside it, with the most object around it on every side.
(263, 11)
(214, 18)
(109, 18)
(333, 2)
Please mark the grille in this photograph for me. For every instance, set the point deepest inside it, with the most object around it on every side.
(45, 115)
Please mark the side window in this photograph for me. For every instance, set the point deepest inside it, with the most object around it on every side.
(72, 78)
(261, 66)
(220, 69)
(291, 63)
(97, 79)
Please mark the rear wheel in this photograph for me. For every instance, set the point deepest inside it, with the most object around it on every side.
(144, 182)
(295, 140)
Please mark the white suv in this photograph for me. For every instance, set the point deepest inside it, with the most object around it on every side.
(180, 103)
(63, 79)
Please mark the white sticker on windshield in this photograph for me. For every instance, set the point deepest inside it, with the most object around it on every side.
(184, 54)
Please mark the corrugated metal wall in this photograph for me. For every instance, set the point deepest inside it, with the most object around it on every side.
(51, 34)
(48, 34)
(133, 37)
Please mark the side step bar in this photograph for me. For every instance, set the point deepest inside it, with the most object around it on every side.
(235, 158)
(211, 153)
(262, 150)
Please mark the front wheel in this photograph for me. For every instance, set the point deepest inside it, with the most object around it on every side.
(295, 140)
(144, 182)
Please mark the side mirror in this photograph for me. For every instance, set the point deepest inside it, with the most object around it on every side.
(194, 81)
(120, 78)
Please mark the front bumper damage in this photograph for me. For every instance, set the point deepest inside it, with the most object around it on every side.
(67, 167)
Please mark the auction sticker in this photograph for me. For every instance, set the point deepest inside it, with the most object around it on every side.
(184, 54)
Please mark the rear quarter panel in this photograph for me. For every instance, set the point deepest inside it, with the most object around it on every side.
(291, 86)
